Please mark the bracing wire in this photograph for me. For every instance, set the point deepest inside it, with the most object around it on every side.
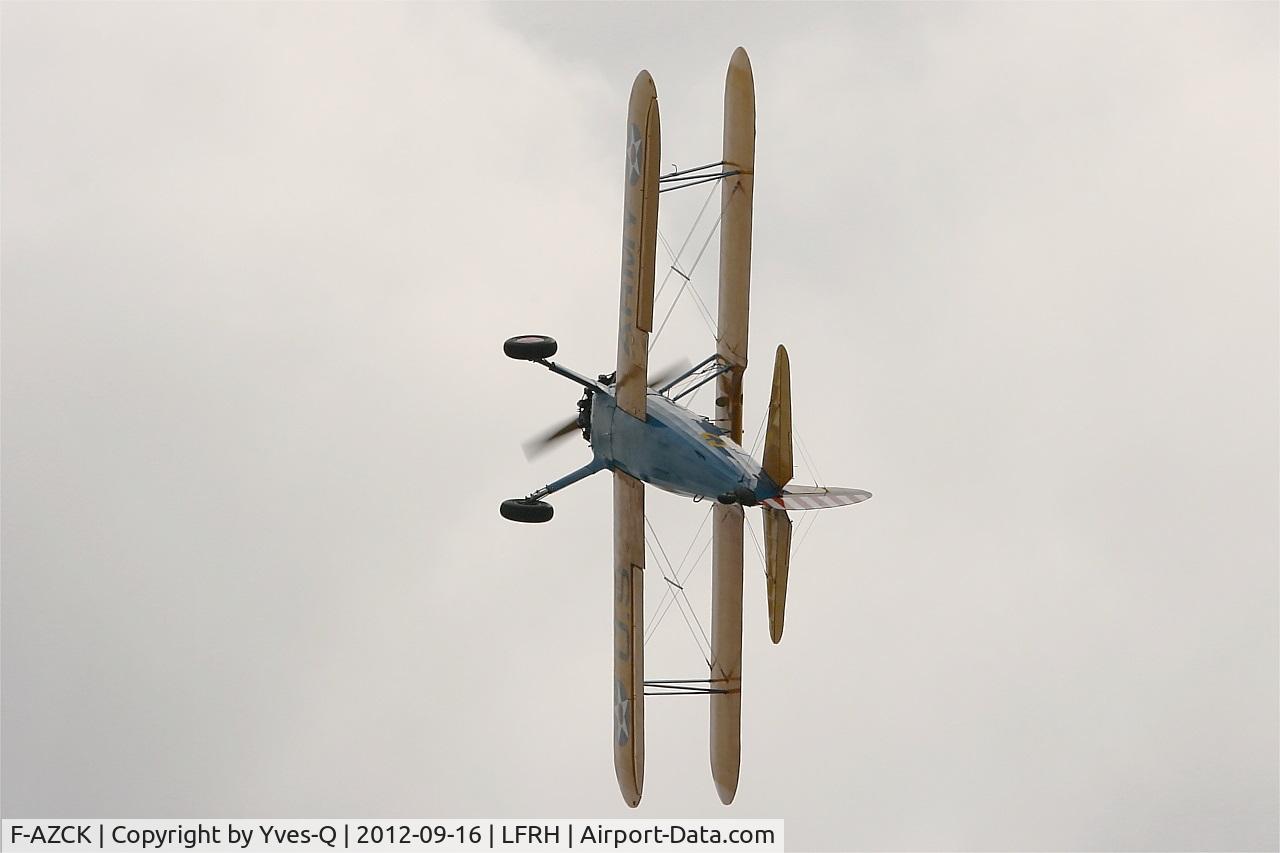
(751, 528)
(691, 378)
(759, 433)
(706, 312)
(801, 538)
(693, 291)
(704, 647)
(675, 256)
(668, 599)
(808, 458)
(663, 610)
(688, 277)
(658, 615)
(685, 610)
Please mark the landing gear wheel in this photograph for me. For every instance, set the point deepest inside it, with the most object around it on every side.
(529, 512)
(530, 347)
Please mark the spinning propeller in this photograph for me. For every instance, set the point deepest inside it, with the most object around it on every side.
(539, 444)
(542, 442)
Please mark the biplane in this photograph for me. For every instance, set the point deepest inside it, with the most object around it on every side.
(639, 430)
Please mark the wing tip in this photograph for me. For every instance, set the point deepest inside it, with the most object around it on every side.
(629, 785)
(644, 85)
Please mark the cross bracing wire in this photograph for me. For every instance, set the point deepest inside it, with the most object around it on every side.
(673, 581)
(801, 536)
(707, 319)
(688, 277)
(675, 256)
(668, 596)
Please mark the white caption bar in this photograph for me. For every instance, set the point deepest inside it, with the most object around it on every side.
(437, 834)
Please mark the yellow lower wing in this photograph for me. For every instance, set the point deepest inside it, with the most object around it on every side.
(628, 635)
(635, 319)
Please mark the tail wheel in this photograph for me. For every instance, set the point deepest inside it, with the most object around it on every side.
(530, 347)
(526, 511)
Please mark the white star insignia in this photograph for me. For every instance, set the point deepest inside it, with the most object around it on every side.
(621, 714)
(633, 152)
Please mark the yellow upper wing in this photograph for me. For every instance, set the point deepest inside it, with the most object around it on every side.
(731, 344)
(639, 241)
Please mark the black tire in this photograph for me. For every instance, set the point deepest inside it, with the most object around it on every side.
(530, 347)
(529, 512)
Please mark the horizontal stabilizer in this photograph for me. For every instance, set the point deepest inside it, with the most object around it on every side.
(815, 497)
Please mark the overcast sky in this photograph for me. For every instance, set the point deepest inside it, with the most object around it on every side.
(258, 263)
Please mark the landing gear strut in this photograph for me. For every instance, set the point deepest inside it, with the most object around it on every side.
(533, 510)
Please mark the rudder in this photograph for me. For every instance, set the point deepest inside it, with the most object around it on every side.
(779, 466)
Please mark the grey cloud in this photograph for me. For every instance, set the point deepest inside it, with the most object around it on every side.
(258, 261)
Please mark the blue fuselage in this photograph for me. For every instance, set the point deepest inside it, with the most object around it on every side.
(675, 449)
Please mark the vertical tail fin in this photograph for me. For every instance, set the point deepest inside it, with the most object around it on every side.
(777, 439)
(779, 466)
